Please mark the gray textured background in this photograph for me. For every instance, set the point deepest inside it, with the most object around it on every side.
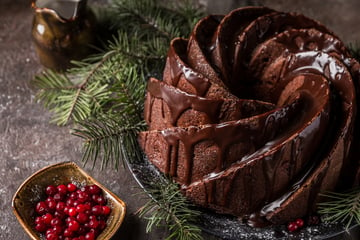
(28, 142)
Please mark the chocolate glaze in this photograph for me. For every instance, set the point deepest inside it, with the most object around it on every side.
(179, 102)
(231, 26)
(257, 32)
(273, 103)
(178, 68)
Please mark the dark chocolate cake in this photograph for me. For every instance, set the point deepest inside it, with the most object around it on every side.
(256, 115)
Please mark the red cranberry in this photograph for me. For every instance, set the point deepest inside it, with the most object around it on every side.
(90, 236)
(57, 229)
(94, 189)
(41, 208)
(38, 220)
(83, 197)
(71, 187)
(51, 203)
(41, 227)
(73, 195)
(52, 236)
(70, 202)
(73, 226)
(102, 225)
(100, 200)
(62, 189)
(299, 222)
(69, 219)
(68, 233)
(82, 217)
(72, 212)
(50, 190)
(80, 208)
(56, 222)
(47, 218)
(59, 214)
(106, 210)
(292, 227)
(48, 231)
(60, 206)
(58, 197)
(96, 210)
(93, 223)
(95, 231)
(66, 210)
(87, 206)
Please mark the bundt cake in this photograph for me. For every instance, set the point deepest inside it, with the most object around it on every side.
(256, 115)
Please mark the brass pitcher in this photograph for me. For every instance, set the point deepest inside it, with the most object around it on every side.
(62, 30)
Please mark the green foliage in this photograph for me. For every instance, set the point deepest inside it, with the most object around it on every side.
(153, 19)
(104, 95)
(113, 137)
(168, 206)
(341, 207)
(70, 101)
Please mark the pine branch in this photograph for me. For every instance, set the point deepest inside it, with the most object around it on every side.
(341, 207)
(170, 208)
(115, 138)
(67, 100)
(129, 92)
(155, 19)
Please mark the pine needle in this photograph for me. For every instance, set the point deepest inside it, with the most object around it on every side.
(113, 137)
(68, 101)
(170, 208)
(341, 207)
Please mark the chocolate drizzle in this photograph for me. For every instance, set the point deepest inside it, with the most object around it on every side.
(255, 115)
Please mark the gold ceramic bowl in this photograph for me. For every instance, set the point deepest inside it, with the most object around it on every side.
(33, 190)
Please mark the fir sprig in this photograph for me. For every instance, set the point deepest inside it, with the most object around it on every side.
(113, 137)
(341, 207)
(68, 100)
(168, 206)
(154, 19)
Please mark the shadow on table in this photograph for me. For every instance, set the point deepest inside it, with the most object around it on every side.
(133, 228)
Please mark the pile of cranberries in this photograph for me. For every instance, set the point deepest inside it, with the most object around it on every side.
(300, 223)
(72, 213)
